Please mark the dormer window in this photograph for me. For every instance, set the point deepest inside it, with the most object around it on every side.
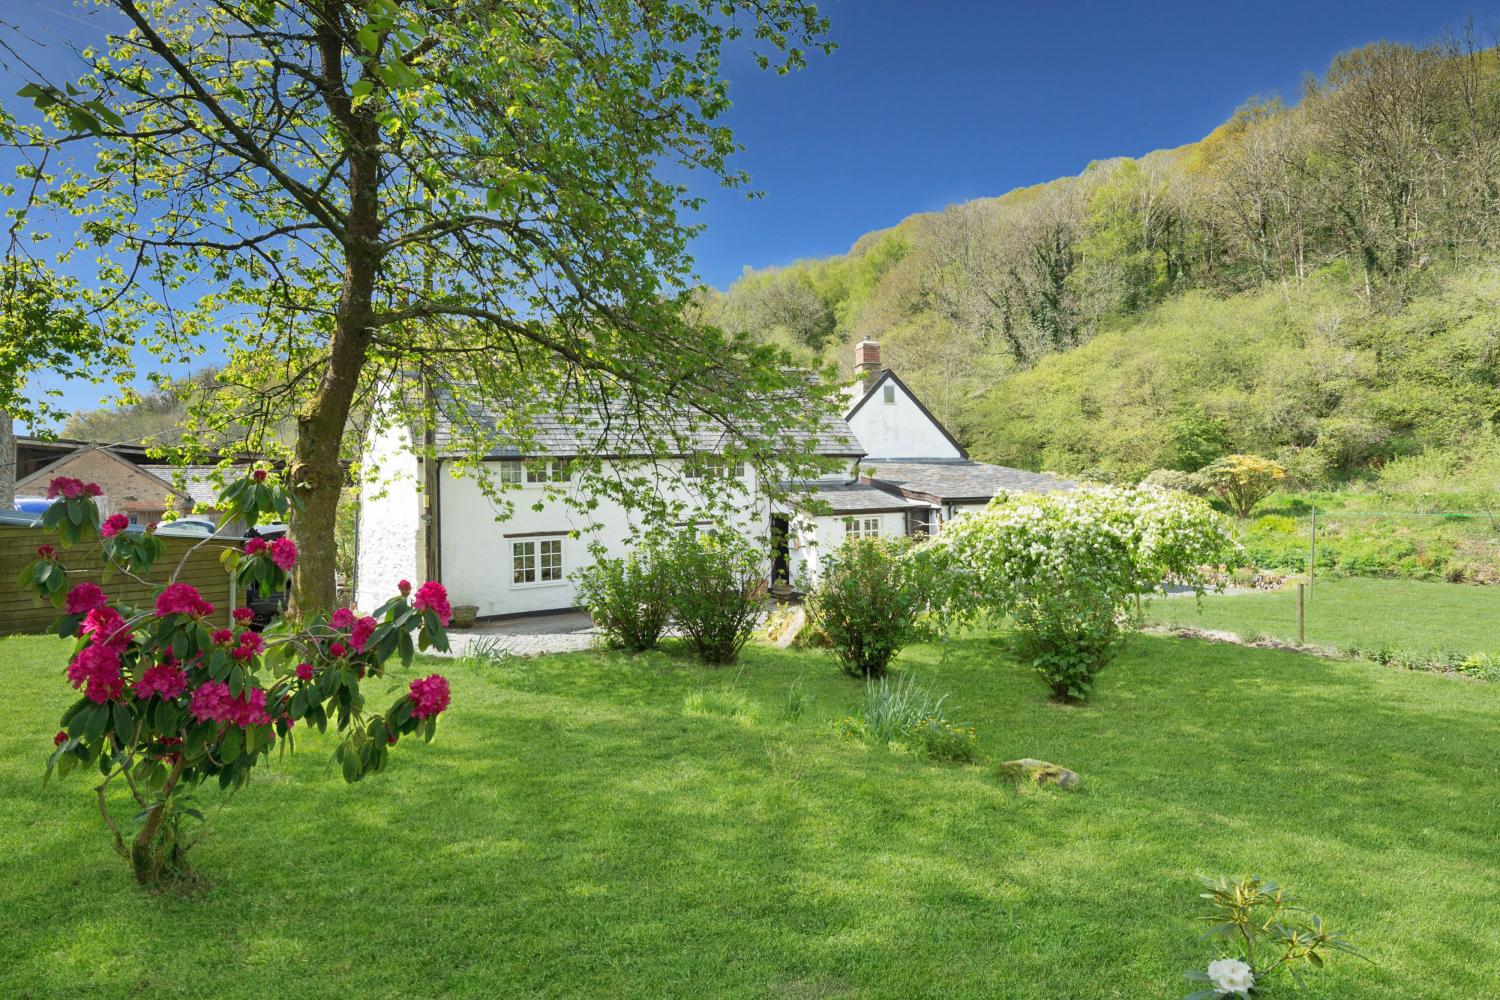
(890, 394)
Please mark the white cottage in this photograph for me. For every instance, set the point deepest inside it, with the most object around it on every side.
(900, 473)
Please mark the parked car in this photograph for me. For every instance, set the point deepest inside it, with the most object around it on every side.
(195, 527)
(266, 607)
(32, 505)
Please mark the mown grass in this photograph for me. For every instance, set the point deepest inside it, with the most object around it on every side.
(584, 826)
(1408, 615)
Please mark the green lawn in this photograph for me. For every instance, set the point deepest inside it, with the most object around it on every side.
(1408, 615)
(573, 832)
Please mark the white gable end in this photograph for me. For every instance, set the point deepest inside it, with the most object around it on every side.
(889, 423)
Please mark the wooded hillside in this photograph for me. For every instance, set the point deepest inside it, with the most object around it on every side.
(1317, 281)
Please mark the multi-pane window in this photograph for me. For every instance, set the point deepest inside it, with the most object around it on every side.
(716, 467)
(510, 472)
(861, 527)
(538, 560)
(550, 471)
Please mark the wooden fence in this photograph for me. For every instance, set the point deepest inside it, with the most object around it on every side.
(20, 614)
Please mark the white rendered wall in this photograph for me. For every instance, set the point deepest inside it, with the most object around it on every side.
(814, 538)
(476, 552)
(898, 429)
(390, 520)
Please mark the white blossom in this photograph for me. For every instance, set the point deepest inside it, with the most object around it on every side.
(1230, 975)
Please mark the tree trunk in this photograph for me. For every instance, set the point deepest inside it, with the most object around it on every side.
(316, 476)
(7, 461)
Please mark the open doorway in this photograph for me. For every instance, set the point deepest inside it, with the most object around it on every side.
(781, 530)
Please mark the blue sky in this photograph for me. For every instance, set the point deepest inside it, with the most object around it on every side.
(931, 102)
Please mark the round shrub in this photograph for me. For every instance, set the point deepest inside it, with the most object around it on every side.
(629, 599)
(716, 582)
(1066, 567)
(869, 603)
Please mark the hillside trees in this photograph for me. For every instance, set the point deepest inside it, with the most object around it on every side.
(363, 199)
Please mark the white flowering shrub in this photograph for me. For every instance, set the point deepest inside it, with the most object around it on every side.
(1065, 567)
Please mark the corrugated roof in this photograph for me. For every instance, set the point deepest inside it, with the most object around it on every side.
(576, 429)
(956, 479)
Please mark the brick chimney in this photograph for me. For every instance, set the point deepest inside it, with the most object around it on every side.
(867, 362)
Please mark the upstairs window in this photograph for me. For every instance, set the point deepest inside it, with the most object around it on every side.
(890, 394)
(715, 468)
(551, 471)
(510, 472)
(861, 527)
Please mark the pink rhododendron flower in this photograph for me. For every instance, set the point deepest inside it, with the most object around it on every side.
(429, 696)
(433, 596)
(363, 629)
(98, 667)
(211, 701)
(243, 615)
(113, 525)
(46, 552)
(65, 487)
(404, 586)
(337, 650)
(182, 599)
(221, 636)
(249, 709)
(284, 553)
(342, 618)
(250, 644)
(92, 490)
(164, 680)
(60, 738)
(85, 598)
(259, 475)
(106, 627)
(304, 671)
(254, 546)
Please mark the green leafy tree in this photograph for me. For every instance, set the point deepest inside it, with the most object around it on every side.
(869, 602)
(1242, 481)
(366, 198)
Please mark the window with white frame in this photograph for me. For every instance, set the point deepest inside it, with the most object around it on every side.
(550, 471)
(861, 527)
(536, 560)
(715, 467)
(510, 472)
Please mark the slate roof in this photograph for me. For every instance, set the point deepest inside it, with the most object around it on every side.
(857, 498)
(957, 480)
(197, 481)
(569, 429)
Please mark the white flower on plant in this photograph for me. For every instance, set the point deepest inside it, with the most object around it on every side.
(1230, 975)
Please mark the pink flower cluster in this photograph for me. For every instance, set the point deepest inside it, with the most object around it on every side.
(164, 679)
(304, 671)
(85, 598)
(98, 667)
(70, 489)
(106, 628)
(363, 629)
(255, 546)
(243, 615)
(249, 646)
(113, 525)
(429, 696)
(212, 702)
(342, 618)
(284, 553)
(46, 552)
(182, 599)
(433, 596)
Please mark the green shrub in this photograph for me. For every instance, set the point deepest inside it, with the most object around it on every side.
(716, 582)
(629, 599)
(869, 603)
(939, 739)
(1066, 567)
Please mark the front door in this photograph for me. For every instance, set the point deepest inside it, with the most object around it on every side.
(781, 529)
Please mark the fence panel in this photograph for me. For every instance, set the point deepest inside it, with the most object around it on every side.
(20, 614)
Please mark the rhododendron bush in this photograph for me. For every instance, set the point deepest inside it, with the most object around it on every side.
(180, 693)
(1066, 566)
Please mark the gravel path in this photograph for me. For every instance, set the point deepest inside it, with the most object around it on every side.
(530, 636)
